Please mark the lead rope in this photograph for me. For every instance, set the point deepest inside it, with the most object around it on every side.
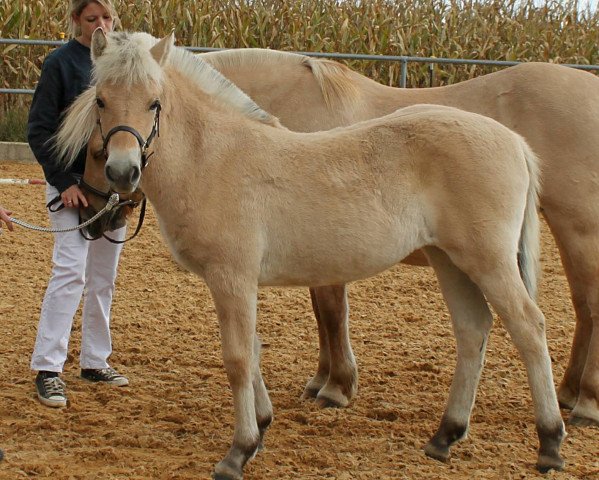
(112, 201)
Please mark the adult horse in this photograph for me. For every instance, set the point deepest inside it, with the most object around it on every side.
(234, 194)
(555, 108)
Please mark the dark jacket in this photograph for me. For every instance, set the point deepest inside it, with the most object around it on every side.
(66, 73)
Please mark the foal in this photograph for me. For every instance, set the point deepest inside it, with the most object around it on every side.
(234, 194)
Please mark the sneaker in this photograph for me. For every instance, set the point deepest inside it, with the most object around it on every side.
(105, 375)
(50, 389)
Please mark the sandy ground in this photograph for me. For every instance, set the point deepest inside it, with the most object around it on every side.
(175, 419)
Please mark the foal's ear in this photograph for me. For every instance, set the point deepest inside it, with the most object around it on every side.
(98, 43)
(161, 50)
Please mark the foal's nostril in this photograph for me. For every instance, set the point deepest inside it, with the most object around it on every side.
(108, 173)
(135, 174)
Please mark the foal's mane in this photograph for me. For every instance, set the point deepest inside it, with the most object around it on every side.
(334, 79)
(127, 59)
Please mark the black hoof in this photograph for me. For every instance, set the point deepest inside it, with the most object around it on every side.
(1, 455)
(546, 464)
(437, 452)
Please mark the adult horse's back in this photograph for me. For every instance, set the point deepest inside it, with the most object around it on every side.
(555, 108)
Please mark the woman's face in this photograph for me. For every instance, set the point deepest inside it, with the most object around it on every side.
(92, 16)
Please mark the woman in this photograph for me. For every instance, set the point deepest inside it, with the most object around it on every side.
(78, 265)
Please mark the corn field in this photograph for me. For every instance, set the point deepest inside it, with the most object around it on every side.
(524, 30)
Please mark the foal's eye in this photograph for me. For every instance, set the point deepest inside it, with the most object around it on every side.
(100, 102)
(155, 105)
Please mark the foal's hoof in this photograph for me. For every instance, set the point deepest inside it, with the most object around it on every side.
(438, 452)
(1, 455)
(221, 476)
(547, 463)
(227, 475)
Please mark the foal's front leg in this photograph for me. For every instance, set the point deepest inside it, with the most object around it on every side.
(236, 309)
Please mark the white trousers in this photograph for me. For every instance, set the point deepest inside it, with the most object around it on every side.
(80, 267)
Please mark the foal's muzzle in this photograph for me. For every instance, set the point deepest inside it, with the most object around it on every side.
(129, 174)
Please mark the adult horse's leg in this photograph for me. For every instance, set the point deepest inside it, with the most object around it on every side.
(472, 321)
(525, 323)
(336, 379)
(579, 250)
(235, 303)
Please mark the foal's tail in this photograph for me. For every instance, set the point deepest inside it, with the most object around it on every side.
(529, 246)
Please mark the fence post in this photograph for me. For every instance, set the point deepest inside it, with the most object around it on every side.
(431, 74)
(404, 73)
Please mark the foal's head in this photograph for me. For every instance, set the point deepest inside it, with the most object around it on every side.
(129, 80)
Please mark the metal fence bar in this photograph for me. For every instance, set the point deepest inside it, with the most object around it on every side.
(402, 59)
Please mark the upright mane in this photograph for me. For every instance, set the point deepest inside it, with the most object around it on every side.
(127, 59)
(334, 79)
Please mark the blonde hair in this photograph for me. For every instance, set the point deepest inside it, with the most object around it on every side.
(77, 7)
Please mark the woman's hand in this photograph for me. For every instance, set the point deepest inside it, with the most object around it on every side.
(5, 217)
(73, 197)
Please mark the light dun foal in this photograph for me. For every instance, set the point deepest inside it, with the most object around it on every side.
(235, 193)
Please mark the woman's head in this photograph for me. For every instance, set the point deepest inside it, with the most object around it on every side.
(87, 15)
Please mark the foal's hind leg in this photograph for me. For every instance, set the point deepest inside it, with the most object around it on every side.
(336, 380)
(262, 403)
(472, 321)
(525, 323)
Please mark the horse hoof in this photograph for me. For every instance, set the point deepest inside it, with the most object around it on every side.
(220, 476)
(546, 464)
(331, 398)
(324, 402)
(1, 455)
(578, 421)
(310, 393)
(227, 476)
(437, 452)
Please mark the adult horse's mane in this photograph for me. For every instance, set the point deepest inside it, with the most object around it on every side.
(334, 79)
(127, 59)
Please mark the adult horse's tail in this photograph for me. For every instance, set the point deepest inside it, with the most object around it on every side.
(529, 246)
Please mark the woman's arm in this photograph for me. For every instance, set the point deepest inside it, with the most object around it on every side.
(44, 119)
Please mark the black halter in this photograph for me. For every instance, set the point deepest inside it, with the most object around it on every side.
(143, 146)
